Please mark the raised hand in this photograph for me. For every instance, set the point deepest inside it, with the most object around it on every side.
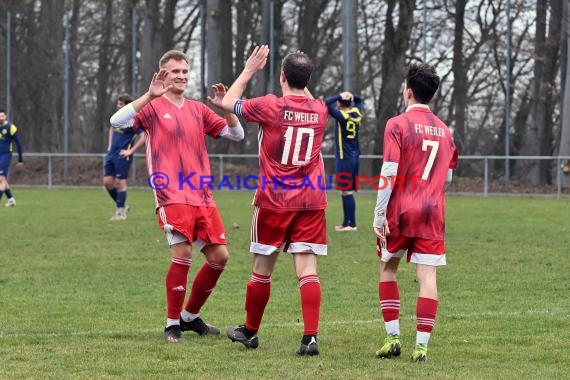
(257, 59)
(219, 91)
(346, 95)
(157, 85)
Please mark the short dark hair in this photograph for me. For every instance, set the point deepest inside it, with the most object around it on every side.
(2, 110)
(423, 80)
(297, 68)
(125, 98)
(345, 103)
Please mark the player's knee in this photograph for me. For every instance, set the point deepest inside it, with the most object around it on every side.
(182, 250)
(121, 185)
(108, 182)
(217, 255)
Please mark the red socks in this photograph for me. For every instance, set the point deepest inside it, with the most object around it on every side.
(259, 290)
(176, 280)
(426, 310)
(203, 285)
(310, 288)
(389, 300)
(256, 298)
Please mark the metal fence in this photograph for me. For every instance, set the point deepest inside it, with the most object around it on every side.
(476, 174)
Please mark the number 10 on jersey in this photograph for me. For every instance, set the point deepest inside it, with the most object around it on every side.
(297, 134)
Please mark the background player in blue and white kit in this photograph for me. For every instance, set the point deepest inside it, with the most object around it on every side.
(8, 135)
(348, 117)
(123, 143)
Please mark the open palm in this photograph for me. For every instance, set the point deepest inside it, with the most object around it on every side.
(158, 84)
(257, 59)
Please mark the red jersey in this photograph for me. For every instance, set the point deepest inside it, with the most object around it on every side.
(422, 146)
(176, 156)
(291, 170)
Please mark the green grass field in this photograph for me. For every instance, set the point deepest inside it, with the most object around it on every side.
(83, 297)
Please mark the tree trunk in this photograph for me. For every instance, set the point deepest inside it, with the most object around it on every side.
(77, 131)
(552, 62)
(396, 42)
(564, 149)
(459, 98)
(219, 43)
(151, 49)
(49, 60)
(540, 136)
(167, 29)
(127, 25)
(101, 116)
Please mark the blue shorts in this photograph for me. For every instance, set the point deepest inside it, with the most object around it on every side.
(346, 172)
(117, 166)
(5, 159)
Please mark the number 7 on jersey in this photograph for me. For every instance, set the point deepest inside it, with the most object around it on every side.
(434, 146)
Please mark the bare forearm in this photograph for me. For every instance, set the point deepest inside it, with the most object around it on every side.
(231, 119)
(140, 142)
(142, 101)
(236, 90)
(110, 138)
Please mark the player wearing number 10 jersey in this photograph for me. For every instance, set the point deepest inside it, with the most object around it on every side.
(419, 154)
(287, 209)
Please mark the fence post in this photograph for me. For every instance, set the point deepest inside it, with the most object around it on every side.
(486, 177)
(558, 178)
(49, 172)
(221, 167)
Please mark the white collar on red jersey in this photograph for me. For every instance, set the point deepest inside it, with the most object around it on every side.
(417, 105)
(172, 101)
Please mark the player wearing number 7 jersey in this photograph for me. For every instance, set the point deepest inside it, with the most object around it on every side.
(419, 154)
(290, 202)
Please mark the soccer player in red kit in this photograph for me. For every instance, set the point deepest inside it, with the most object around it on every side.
(177, 160)
(409, 217)
(290, 202)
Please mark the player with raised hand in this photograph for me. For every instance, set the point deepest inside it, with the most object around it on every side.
(348, 118)
(409, 217)
(175, 127)
(291, 130)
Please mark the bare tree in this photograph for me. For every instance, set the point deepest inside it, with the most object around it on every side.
(151, 46)
(459, 99)
(564, 149)
(396, 40)
(219, 42)
(540, 136)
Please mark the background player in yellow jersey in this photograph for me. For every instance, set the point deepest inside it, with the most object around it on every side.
(348, 117)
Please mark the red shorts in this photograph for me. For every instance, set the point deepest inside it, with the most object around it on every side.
(200, 225)
(301, 231)
(419, 251)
